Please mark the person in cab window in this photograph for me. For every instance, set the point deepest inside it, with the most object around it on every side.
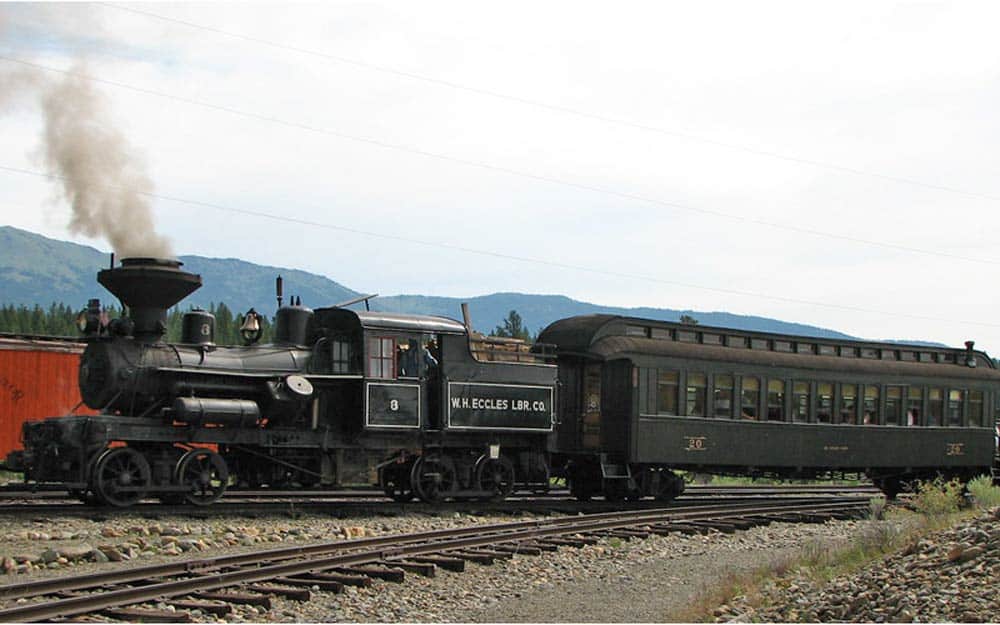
(410, 361)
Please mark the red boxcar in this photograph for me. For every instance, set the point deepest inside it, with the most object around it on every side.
(38, 378)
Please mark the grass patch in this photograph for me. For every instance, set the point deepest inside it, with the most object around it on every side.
(817, 561)
(938, 497)
(983, 492)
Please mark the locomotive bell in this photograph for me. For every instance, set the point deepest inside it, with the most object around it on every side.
(149, 287)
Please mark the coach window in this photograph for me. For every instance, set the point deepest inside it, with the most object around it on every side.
(750, 398)
(848, 404)
(893, 404)
(935, 406)
(666, 392)
(711, 339)
(381, 357)
(782, 346)
(827, 350)
(722, 396)
(871, 406)
(687, 336)
(696, 389)
(800, 402)
(758, 344)
(775, 400)
(661, 333)
(824, 402)
(955, 400)
(914, 405)
(975, 409)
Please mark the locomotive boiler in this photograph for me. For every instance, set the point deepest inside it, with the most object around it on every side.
(340, 397)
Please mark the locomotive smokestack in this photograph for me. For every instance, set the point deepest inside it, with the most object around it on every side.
(149, 287)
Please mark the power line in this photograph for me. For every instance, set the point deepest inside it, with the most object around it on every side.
(513, 257)
(554, 107)
(500, 169)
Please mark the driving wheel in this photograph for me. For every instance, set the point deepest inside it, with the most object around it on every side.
(121, 477)
(205, 474)
(496, 477)
(433, 478)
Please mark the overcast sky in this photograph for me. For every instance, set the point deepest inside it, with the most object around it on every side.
(644, 140)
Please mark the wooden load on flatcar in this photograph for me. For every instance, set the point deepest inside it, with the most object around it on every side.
(641, 398)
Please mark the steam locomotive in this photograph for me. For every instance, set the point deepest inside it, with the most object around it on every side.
(426, 408)
(339, 396)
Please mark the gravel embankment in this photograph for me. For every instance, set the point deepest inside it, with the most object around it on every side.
(647, 580)
(950, 576)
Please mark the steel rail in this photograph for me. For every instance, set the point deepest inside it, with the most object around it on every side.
(374, 550)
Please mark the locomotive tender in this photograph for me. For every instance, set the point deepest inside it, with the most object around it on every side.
(349, 397)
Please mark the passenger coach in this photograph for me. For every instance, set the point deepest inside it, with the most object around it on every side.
(640, 398)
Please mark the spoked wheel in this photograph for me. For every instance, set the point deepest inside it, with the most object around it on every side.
(496, 477)
(433, 478)
(205, 474)
(395, 482)
(121, 477)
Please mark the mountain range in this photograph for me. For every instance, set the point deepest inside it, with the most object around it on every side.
(35, 269)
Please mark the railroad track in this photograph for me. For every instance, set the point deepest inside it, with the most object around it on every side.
(212, 585)
(368, 502)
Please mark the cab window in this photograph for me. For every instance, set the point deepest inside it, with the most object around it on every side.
(381, 357)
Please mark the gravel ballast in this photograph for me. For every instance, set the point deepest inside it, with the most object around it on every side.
(642, 580)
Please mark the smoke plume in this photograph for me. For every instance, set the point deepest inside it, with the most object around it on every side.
(100, 175)
(98, 172)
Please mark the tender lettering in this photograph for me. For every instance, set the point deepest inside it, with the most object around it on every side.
(955, 449)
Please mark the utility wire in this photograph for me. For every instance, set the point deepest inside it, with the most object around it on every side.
(554, 107)
(513, 257)
(497, 168)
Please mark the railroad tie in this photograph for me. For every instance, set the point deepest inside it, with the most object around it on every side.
(445, 562)
(425, 569)
(211, 607)
(388, 574)
(569, 542)
(493, 552)
(519, 549)
(724, 527)
(361, 581)
(474, 556)
(241, 598)
(294, 594)
(329, 585)
(145, 615)
(742, 524)
(627, 534)
(547, 547)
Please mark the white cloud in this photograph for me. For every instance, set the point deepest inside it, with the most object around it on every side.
(902, 90)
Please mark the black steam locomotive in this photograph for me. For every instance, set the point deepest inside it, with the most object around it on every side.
(340, 396)
(426, 408)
